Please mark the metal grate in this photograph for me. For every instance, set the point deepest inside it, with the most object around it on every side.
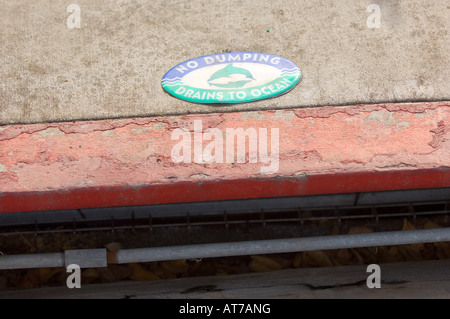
(129, 220)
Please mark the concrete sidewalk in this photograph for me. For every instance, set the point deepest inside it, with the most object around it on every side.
(112, 66)
(417, 280)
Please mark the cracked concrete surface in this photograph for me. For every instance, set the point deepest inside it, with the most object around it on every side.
(112, 66)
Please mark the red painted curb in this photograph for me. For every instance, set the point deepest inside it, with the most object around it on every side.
(326, 150)
(90, 197)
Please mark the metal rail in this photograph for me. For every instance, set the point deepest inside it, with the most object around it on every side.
(282, 245)
(291, 214)
(98, 257)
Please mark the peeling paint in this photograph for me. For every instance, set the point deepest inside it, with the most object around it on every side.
(402, 125)
(51, 131)
(158, 126)
(331, 146)
(327, 111)
(3, 168)
(199, 176)
(284, 115)
(141, 130)
(301, 175)
(108, 133)
(260, 116)
(71, 128)
(84, 127)
(439, 132)
(383, 116)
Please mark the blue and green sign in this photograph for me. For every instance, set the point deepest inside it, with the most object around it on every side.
(232, 78)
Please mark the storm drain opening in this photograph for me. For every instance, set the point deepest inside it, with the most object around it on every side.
(220, 238)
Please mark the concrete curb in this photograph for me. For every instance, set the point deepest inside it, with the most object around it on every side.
(125, 162)
(111, 64)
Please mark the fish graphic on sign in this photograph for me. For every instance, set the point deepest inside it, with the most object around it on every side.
(234, 77)
(230, 77)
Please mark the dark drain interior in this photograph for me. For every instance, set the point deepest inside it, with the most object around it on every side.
(249, 221)
(228, 221)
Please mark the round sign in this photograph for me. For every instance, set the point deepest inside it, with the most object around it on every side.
(232, 78)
